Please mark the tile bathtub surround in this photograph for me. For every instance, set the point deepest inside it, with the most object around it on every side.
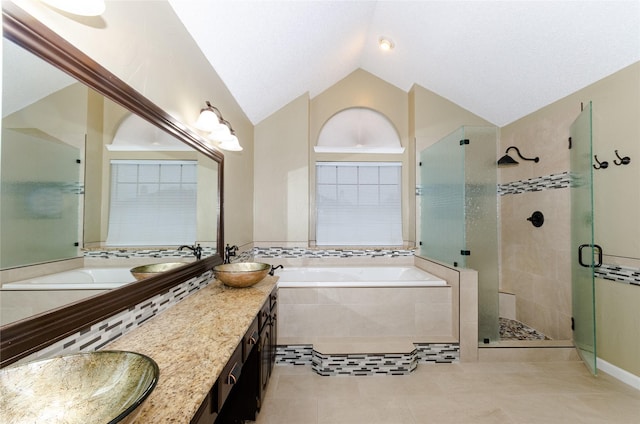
(104, 332)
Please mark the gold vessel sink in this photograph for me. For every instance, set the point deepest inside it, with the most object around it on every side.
(241, 274)
(146, 271)
(93, 387)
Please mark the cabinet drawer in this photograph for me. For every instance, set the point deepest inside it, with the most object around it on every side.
(273, 298)
(250, 340)
(265, 314)
(229, 377)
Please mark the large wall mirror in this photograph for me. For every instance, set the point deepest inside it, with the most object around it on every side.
(67, 125)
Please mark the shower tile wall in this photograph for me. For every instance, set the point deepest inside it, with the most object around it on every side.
(535, 261)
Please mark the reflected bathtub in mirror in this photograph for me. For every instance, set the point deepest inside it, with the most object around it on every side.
(21, 338)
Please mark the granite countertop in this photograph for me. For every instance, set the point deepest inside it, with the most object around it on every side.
(192, 342)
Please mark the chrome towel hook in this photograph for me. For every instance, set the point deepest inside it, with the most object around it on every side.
(623, 161)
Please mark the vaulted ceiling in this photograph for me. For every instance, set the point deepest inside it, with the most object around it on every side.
(498, 59)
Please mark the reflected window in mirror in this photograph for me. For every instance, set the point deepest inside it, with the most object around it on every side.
(153, 203)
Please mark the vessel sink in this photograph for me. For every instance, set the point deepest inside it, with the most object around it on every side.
(241, 274)
(94, 387)
(145, 271)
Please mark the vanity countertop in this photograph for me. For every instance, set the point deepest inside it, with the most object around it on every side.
(192, 342)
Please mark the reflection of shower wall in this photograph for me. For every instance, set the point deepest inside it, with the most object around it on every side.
(535, 262)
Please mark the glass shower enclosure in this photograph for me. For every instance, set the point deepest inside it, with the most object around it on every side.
(459, 213)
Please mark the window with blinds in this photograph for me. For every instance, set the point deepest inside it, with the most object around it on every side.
(358, 203)
(153, 203)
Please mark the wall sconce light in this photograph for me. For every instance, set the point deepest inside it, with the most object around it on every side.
(219, 129)
(508, 160)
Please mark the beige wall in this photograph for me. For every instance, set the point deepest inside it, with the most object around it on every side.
(435, 117)
(536, 262)
(281, 176)
(166, 66)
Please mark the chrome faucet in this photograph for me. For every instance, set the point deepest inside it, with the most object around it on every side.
(197, 250)
(228, 252)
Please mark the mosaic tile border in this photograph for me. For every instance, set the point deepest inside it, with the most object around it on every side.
(144, 253)
(294, 354)
(301, 252)
(438, 353)
(368, 363)
(546, 182)
(619, 273)
(104, 332)
(364, 364)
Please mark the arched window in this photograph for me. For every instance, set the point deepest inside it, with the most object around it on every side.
(358, 130)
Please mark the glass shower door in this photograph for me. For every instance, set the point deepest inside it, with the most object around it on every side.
(584, 253)
(458, 213)
(442, 203)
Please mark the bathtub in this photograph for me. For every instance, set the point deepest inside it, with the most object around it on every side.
(76, 279)
(351, 276)
(24, 298)
(347, 303)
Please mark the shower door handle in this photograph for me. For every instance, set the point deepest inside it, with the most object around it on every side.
(593, 247)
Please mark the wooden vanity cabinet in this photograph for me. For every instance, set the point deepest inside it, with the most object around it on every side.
(239, 391)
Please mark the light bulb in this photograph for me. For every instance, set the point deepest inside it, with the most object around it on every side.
(386, 44)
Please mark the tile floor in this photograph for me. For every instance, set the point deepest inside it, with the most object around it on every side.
(540, 392)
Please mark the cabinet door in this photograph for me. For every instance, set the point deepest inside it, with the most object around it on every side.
(274, 337)
(265, 360)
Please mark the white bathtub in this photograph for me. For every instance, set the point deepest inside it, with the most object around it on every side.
(76, 279)
(351, 276)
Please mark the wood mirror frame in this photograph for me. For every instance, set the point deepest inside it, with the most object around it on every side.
(22, 338)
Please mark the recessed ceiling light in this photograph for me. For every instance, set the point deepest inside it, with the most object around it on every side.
(385, 44)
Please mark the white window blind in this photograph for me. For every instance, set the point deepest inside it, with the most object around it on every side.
(358, 203)
(153, 203)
